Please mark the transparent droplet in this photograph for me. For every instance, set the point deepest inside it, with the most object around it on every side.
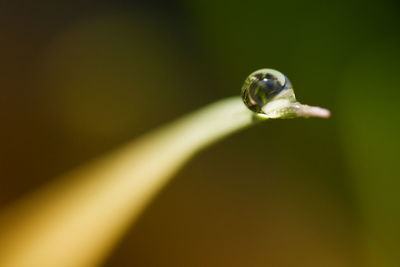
(262, 86)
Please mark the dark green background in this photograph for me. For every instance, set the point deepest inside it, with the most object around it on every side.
(80, 78)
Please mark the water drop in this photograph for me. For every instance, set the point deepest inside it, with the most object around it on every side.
(263, 86)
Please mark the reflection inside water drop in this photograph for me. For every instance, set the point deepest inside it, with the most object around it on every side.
(262, 86)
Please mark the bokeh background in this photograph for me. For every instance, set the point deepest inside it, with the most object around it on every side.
(81, 78)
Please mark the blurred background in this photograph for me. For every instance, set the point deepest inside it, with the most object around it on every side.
(81, 78)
